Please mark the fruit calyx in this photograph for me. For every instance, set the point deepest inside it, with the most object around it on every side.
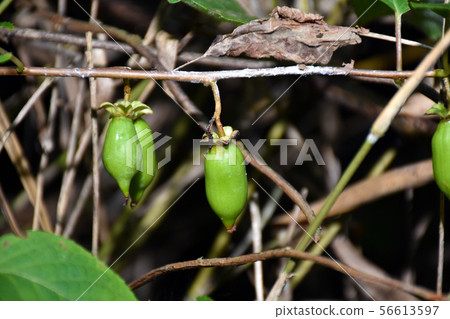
(133, 110)
(230, 134)
(440, 110)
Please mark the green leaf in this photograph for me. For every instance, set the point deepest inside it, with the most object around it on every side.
(443, 9)
(427, 21)
(437, 109)
(45, 266)
(368, 11)
(398, 6)
(204, 298)
(5, 57)
(229, 10)
(7, 25)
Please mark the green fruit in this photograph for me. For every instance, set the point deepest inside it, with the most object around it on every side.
(440, 147)
(147, 171)
(121, 151)
(226, 182)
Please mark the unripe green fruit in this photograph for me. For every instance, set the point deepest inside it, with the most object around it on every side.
(147, 171)
(120, 152)
(440, 147)
(226, 182)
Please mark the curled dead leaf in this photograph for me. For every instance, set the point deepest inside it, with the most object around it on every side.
(289, 34)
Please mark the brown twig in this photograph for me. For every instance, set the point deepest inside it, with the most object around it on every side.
(218, 108)
(94, 127)
(280, 253)
(9, 215)
(71, 167)
(394, 39)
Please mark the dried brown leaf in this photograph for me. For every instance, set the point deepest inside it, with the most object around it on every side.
(289, 34)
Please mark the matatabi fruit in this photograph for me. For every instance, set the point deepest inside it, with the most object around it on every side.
(147, 171)
(440, 147)
(120, 151)
(226, 182)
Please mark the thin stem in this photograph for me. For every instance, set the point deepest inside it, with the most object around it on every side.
(19, 65)
(39, 190)
(279, 253)
(95, 151)
(126, 89)
(9, 216)
(444, 59)
(62, 7)
(255, 214)
(94, 125)
(394, 39)
(47, 146)
(71, 166)
(398, 40)
(77, 210)
(440, 268)
(218, 108)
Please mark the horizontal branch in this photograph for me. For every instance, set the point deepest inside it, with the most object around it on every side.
(206, 76)
(280, 253)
